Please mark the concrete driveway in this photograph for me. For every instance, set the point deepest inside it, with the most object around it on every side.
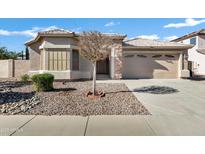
(179, 111)
(189, 100)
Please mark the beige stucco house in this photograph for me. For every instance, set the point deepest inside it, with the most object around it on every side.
(57, 52)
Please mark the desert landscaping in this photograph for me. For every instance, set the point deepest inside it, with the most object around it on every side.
(68, 98)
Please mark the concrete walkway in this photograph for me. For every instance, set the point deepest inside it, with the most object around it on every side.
(178, 113)
(101, 125)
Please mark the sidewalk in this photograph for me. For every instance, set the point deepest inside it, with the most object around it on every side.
(101, 125)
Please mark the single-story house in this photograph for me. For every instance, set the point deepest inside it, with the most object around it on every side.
(57, 52)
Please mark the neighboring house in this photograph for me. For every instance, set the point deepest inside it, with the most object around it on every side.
(196, 55)
(57, 52)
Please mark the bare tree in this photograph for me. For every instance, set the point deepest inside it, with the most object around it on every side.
(94, 46)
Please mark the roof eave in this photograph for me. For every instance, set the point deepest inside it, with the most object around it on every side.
(202, 51)
(199, 32)
(32, 41)
(117, 37)
(50, 35)
(159, 47)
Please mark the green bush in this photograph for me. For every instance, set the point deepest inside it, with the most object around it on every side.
(25, 78)
(43, 82)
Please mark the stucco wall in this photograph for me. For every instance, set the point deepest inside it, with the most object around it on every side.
(13, 68)
(116, 60)
(58, 42)
(4, 69)
(34, 52)
(201, 41)
(200, 58)
(85, 67)
(197, 58)
(21, 67)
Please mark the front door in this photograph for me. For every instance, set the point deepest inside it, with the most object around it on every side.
(103, 66)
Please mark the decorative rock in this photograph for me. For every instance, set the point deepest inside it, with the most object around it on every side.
(3, 110)
(21, 103)
(72, 101)
(23, 108)
(17, 107)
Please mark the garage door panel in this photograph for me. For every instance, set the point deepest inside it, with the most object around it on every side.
(150, 66)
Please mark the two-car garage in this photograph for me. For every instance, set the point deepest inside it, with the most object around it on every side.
(144, 58)
(149, 65)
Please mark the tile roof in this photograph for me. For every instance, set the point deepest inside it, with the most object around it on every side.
(63, 32)
(56, 31)
(115, 34)
(147, 43)
(199, 32)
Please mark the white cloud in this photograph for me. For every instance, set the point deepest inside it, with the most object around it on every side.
(48, 28)
(4, 32)
(77, 29)
(169, 38)
(150, 37)
(109, 24)
(31, 32)
(188, 23)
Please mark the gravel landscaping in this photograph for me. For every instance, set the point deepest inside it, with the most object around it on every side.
(68, 99)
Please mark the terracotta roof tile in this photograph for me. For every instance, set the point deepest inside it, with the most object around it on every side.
(56, 31)
(147, 42)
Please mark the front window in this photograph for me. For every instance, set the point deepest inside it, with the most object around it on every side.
(193, 41)
(57, 60)
(75, 60)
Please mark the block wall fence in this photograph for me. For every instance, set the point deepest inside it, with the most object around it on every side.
(14, 68)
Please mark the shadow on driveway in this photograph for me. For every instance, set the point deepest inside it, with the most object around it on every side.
(156, 90)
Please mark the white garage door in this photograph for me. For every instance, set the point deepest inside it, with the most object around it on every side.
(150, 65)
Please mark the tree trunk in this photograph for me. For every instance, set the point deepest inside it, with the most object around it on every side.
(94, 78)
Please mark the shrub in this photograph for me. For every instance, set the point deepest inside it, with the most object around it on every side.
(43, 82)
(25, 78)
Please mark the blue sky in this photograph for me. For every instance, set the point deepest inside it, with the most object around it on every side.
(14, 32)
